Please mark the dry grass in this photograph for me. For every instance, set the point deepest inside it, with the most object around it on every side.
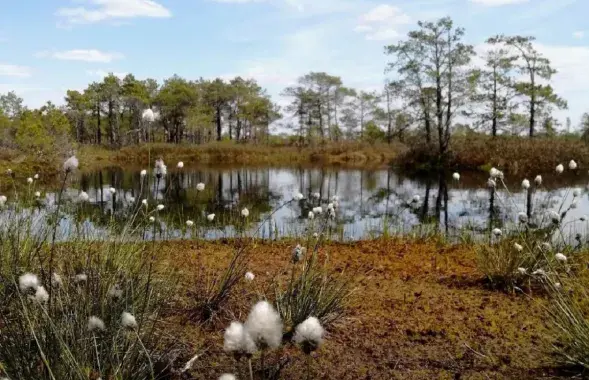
(228, 153)
(515, 155)
(420, 311)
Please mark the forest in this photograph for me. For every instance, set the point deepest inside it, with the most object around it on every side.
(433, 89)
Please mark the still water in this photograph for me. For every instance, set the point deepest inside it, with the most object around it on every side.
(370, 202)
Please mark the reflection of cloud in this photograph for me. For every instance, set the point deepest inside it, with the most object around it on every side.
(579, 34)
(497, 3)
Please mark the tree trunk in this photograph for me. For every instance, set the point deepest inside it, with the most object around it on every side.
(218, 122)
(98, 127)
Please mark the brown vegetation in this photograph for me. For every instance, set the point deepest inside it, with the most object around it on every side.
(420, 311)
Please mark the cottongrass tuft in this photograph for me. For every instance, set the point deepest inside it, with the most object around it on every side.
(522, 271)
(298, 197)
(3, 200)
(538, 180)
(560, 257)
(112, 190)
(227, 376)
(573, 165)
(36, 176)
(497, 232)
(70, 164)
(456, 176)
(144, 202)
(160, 207)
(264, 325)
(115, 292)
(189, 223)
(416, 198)
(311, 215)
(128, 321)
(95, 324)
(81, 277)
(28, 281)
(249, 276)
(238, 341)
(211, 217)
(309, 334)
(37, 194)
(143, 173)
(316, 195)
(554, 217)
(491, 183)
(41, 295)
(298, 253)
(29, 180)
(160, 170)
(83, 196)
(525, 184)
(200, 186)
(151, 219)
(245, 212)
(518, 247)
(317, 210)
(559, 168)
(522, 217)
(180, 165)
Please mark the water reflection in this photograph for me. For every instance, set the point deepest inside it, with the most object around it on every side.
(369, 201)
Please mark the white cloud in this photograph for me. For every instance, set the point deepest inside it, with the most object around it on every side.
(8, 70)
(102, 10)
(497, 3)
(382, 22)
(86, 55)
(103, 73)
(238, 1)
(579, 34)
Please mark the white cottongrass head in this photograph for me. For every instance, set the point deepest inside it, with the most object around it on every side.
(128, 320)
(144, 202)
(83, 196)
(36, 176)
(416, 198)
(522, 217)
(491, 183)
(28, 281)
(237, 340)
(572, 165)
(309, 334)
(115, 292)
(298, 197)
(95, 324)
(497, 232)
(311, 215)
(525, 184)
(143, 173)
(560, 257)
(316, 195)
(559, 168)
(456, 176)
(37, 194)
(554, 217)
(160, 169)
(298, 253)
(227, 376)
(29, 180)
(317, 210)
(539, 272)
(546, 246)
(151, 219)
(180, 165)
(70, 164)
(81, 277)
(41, 295)
(518, 247)
(521, 270)
(249, 276)
(160, 207)
(189, 223)
(245, 212)
(112, 190)
(211, 217)
(264, 325)
(148, 115)
(538, 180)
(200, 186)
(3, 200)
(493, 172)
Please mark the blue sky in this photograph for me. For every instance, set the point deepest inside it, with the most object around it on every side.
(49, 46)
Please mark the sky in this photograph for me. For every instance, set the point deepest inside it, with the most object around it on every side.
(50, 46)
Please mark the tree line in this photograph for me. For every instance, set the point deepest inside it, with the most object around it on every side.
(433, 90)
